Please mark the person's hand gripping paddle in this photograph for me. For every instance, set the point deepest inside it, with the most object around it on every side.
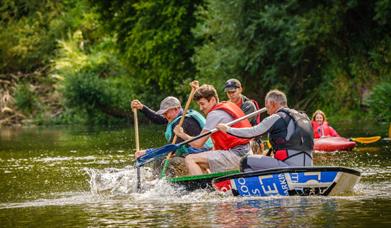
(194, 86)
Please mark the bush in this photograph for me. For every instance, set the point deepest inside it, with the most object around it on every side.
(380, 101)
(91, 96)
(25, 100)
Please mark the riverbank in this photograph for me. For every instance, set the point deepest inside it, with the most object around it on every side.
(28, 99)
(34, 99)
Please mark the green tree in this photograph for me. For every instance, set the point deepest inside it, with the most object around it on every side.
(379, 102)
(322, 53)
(155, 39)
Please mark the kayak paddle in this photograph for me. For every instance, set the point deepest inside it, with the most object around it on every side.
(366, 140)
(159, 152)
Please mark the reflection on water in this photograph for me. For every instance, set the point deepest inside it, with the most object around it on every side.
(78, 177)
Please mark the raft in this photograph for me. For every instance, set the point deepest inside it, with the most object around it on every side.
(333, 144)
(292, 181)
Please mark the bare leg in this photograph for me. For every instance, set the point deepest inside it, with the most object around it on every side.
(197, 165)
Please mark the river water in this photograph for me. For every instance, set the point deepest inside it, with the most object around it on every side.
(83, 177)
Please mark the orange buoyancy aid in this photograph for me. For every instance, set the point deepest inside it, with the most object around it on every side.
(323, 130)
(222, 140)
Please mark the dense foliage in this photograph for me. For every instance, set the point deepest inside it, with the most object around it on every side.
(155, 39)
(379, 101)
(93, 57)
(324, 54)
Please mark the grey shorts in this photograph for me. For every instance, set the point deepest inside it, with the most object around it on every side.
(260, 162)
(224, 160)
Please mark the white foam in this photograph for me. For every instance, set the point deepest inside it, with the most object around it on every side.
(73, 198)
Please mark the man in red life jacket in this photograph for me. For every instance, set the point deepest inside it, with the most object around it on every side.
(289, 131)
(228, 149)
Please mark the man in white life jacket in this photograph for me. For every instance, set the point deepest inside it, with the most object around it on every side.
(290, 134)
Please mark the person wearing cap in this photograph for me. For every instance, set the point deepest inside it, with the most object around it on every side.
(290, 134)
(228, 149)
(169, 114)
(233, 89)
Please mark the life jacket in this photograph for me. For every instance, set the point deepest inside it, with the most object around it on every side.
(301, 139)
(222, 140)
(257, 119)
(190, 114)
(323, 130)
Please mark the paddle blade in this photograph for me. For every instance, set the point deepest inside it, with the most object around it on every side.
(366, 140)
(155, 154)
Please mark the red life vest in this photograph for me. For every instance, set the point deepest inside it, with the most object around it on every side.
(323, 130)
(222, 140)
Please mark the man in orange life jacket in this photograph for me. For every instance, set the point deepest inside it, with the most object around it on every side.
(228, 149)
(290, 133)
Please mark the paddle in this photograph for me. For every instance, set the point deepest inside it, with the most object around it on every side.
(194, 85)
(366, 140)
(363, 140)
(156, 153)
(137, 145)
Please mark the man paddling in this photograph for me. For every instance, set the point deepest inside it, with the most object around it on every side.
(290, 134)
(170, 113)
(228, 149)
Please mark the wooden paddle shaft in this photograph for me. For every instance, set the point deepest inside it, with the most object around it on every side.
(136, 129)
(138, 172)
(194, 84)
(185, 111)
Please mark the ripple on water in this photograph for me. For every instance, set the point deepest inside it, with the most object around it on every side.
(60, 199)
(55, 159)
(120, 185)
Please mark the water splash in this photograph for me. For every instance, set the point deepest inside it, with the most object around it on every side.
(113, 181)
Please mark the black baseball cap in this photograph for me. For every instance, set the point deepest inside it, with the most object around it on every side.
(232, 84)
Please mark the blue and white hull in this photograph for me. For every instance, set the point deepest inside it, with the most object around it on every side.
(302, 181)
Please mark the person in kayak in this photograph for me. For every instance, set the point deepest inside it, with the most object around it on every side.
(169, 114)
(321, 127)
(228, 149)
(290, 134)
(233, 89)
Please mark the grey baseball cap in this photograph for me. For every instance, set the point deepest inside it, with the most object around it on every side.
(231, 85)
(168, 103)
